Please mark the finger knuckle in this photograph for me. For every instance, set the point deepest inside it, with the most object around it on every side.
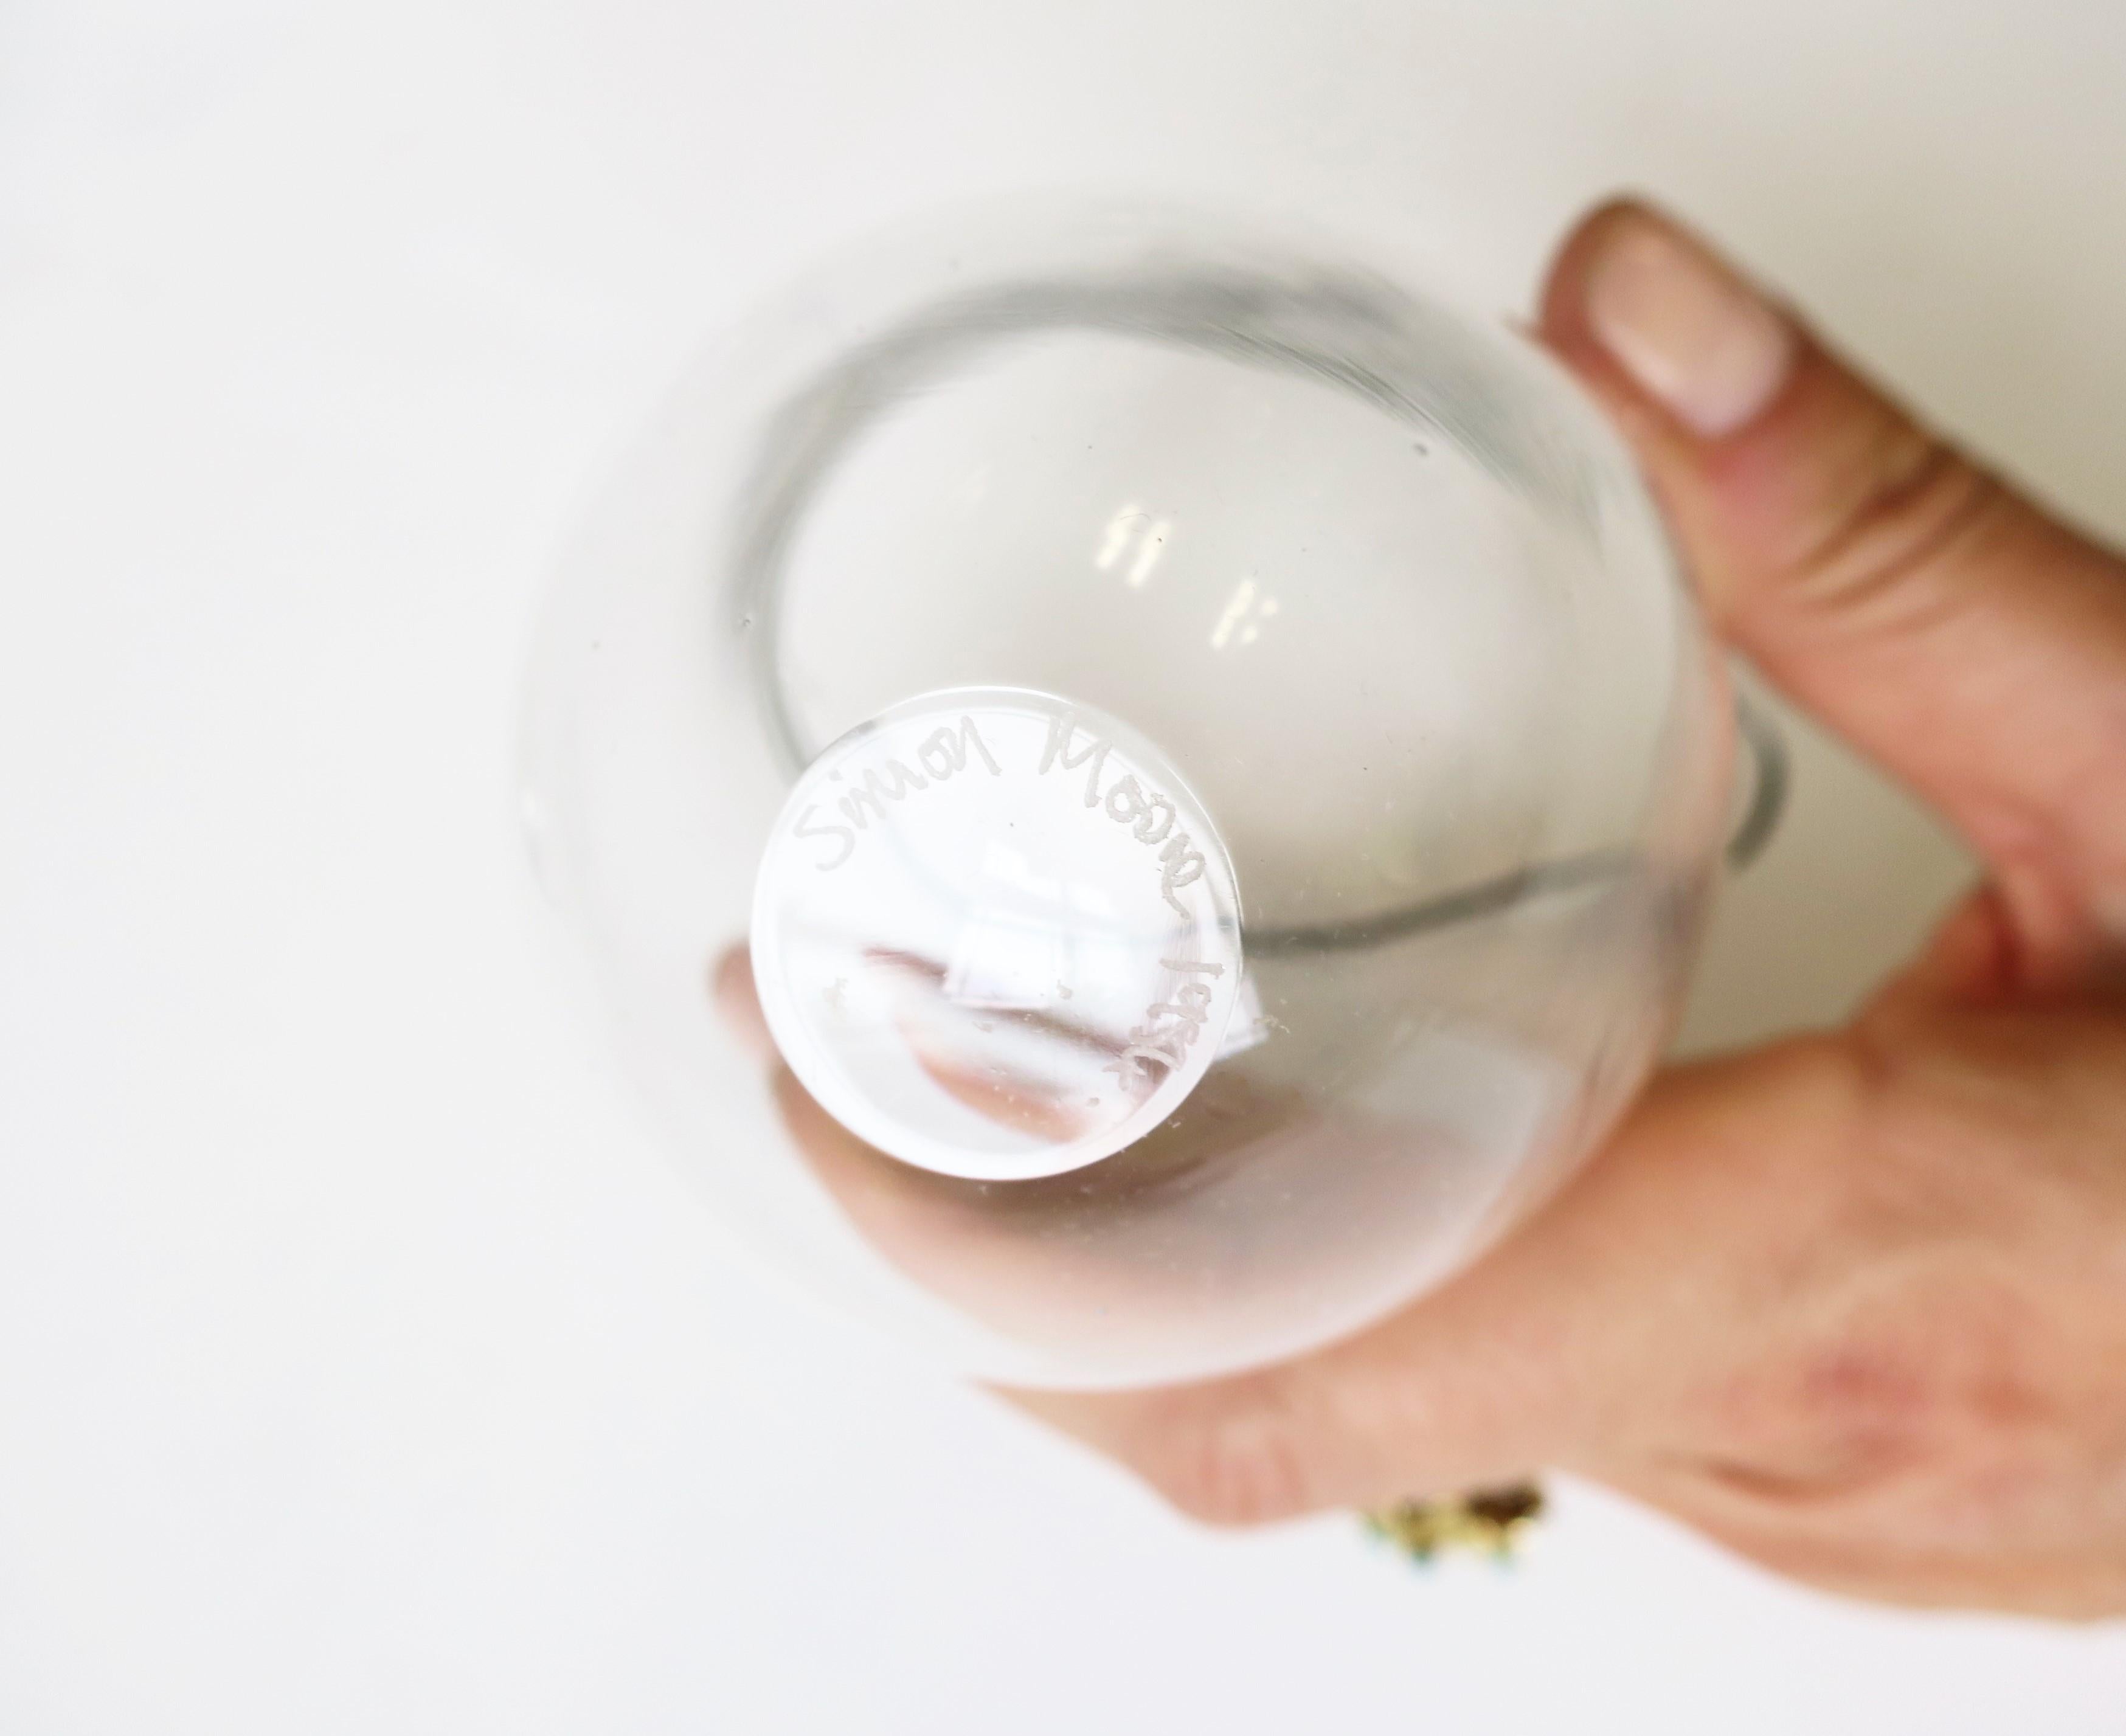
(1913, 504)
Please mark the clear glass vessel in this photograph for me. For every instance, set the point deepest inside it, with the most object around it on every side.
(1134, 790)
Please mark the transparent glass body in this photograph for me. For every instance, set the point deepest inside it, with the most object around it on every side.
(1134, 793)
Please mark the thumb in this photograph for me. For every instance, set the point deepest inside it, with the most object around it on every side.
(1944, 625)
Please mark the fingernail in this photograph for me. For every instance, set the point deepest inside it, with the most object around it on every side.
(1689, 332)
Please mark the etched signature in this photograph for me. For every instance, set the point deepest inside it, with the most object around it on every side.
(942, 754)
(1151, 817)
(1168, 1043)
(1148, 815)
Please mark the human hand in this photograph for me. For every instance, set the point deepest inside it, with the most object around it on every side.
(1854, 1305)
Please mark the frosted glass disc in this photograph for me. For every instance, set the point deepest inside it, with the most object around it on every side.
(995, 935)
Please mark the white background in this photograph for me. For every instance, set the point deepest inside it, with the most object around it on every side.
(363, 1365)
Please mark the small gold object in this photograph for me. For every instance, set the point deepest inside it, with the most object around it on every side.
(1486, 1521)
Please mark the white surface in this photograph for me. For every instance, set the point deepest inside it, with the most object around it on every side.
(363, 1367)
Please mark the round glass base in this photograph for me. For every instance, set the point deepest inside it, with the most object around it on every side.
(995, 936)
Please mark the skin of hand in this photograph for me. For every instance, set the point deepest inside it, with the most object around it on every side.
(1853, 1304)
